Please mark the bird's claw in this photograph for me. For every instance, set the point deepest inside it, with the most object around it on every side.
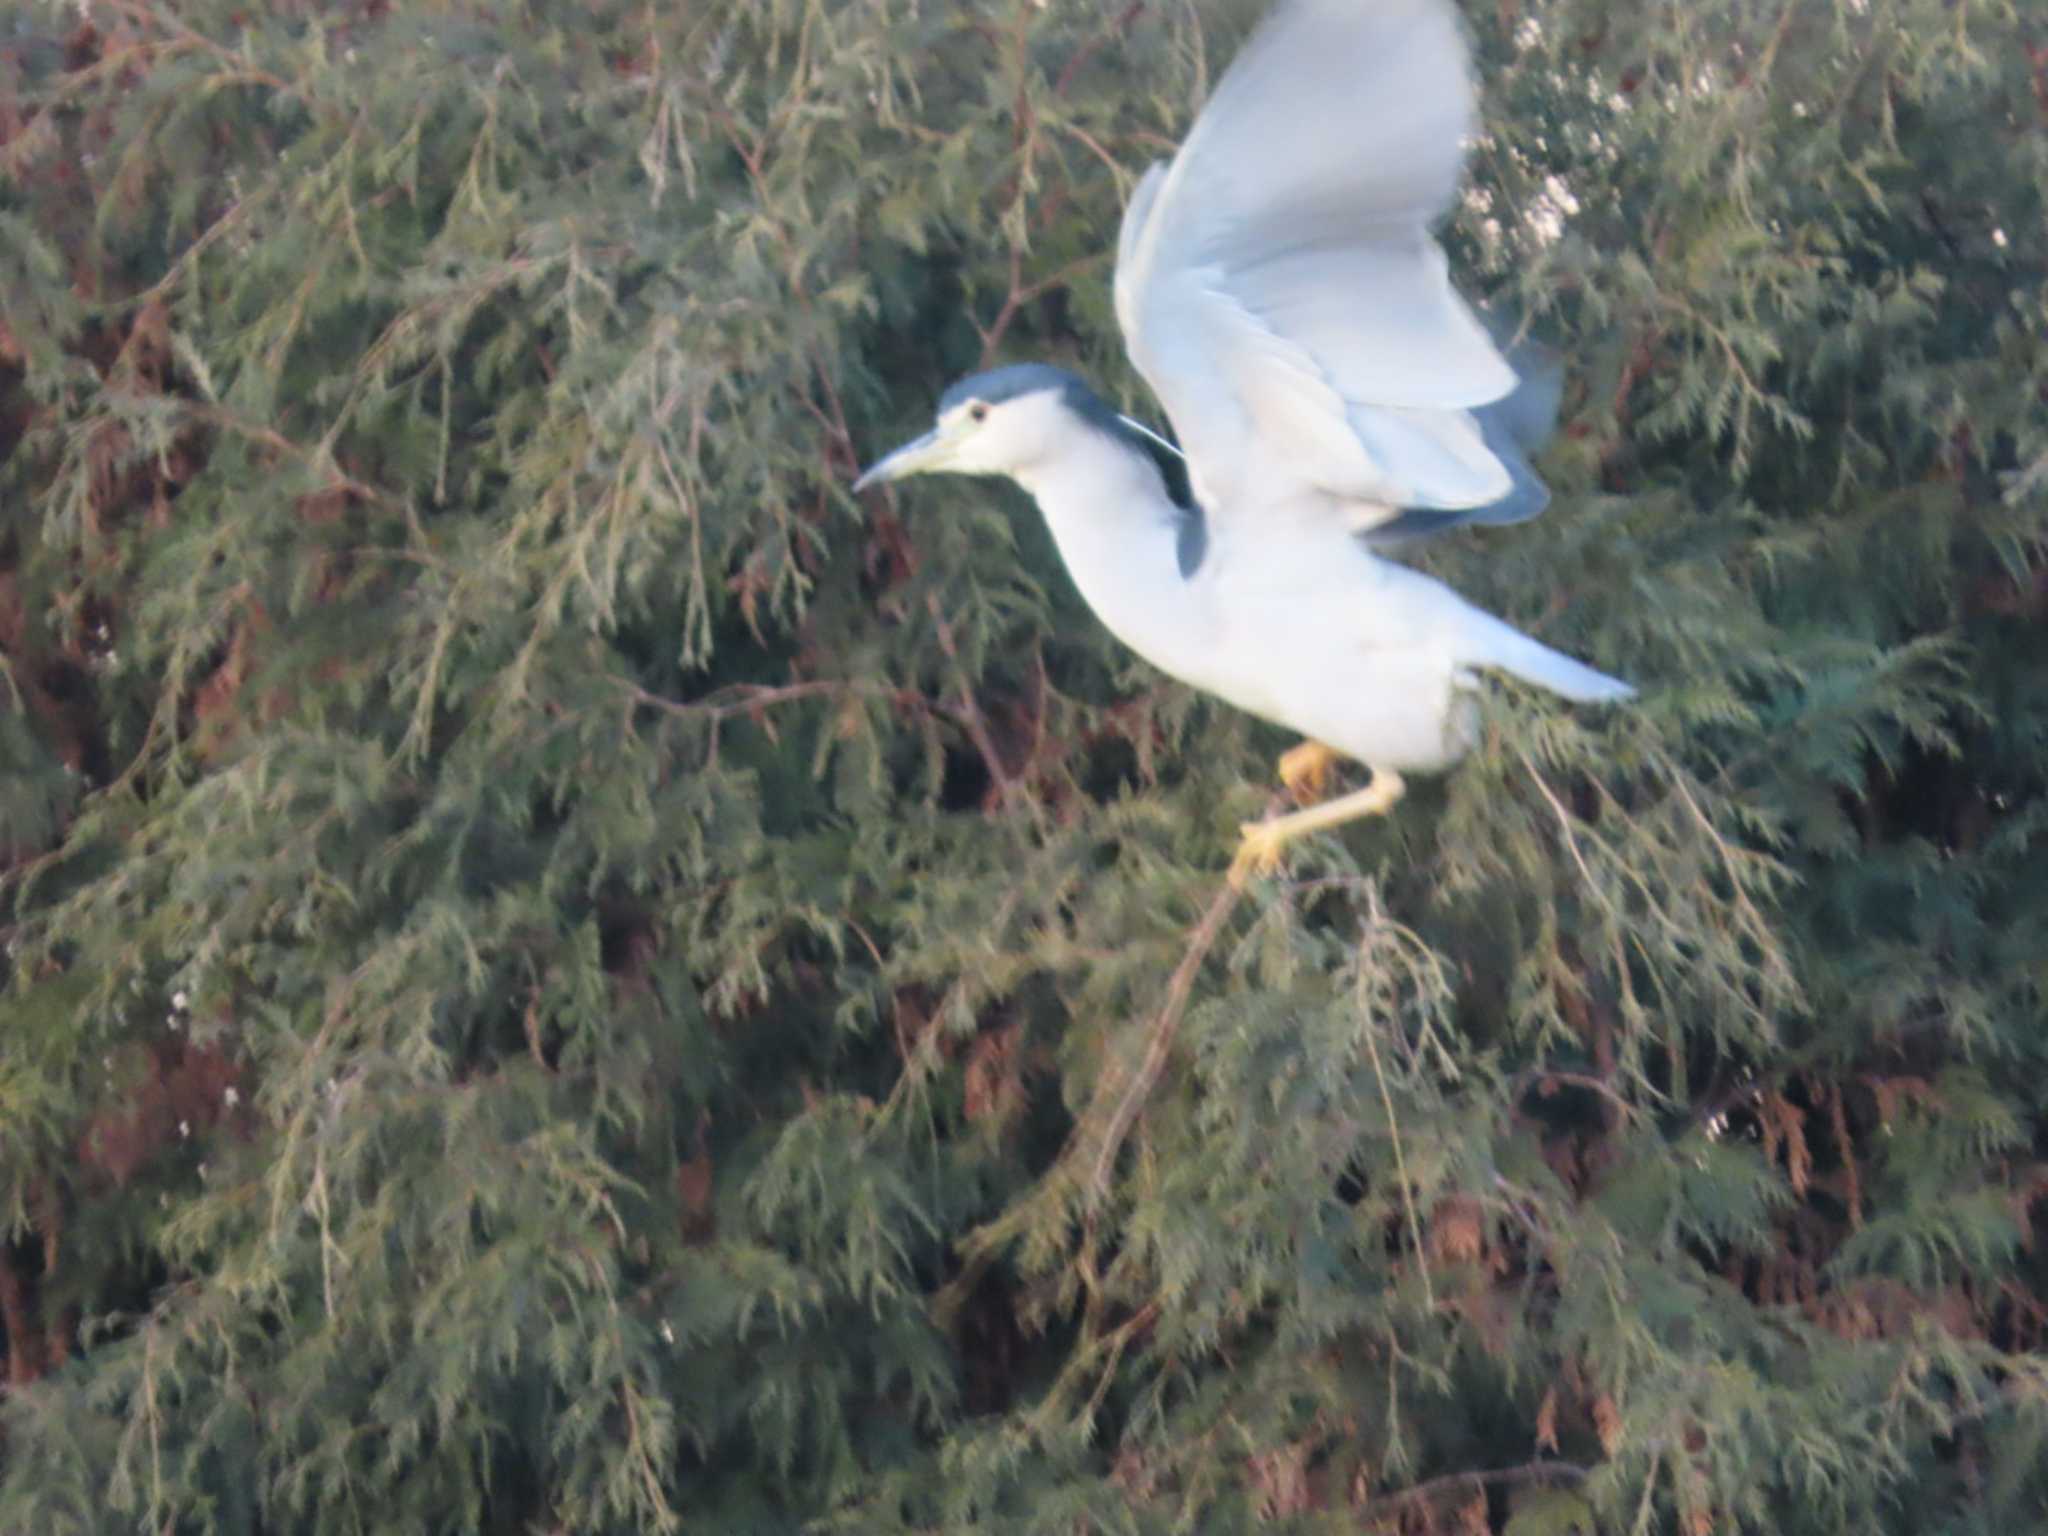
(1305, 770)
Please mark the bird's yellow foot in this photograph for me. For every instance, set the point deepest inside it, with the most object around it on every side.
(1305, 770)
(1258, 853)
(1263, 842)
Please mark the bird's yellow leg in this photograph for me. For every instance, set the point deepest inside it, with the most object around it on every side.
(1259, 853)
(1305, 770)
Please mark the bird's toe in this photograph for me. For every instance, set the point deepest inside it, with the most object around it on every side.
(1305, 770)
(1258, 851)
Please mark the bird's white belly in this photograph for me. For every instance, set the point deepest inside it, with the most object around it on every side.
(1391, 709)
(1328, 641)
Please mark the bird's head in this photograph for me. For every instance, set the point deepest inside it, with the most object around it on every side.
(1002, 422)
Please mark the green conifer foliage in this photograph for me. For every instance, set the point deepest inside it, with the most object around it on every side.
(566, 975)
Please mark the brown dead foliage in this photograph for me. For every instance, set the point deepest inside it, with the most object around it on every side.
(157, 1097)
(1457, 1231)
(994, 1080)
(1607, 1424)
(1281, 1481)
(1783, 1126)
(694, 1181)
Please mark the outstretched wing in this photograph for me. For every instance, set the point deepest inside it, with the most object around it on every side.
(1279, 289)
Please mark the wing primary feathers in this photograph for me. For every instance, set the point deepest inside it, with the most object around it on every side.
(1513, 429)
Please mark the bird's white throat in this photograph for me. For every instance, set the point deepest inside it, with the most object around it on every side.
(1117, 532)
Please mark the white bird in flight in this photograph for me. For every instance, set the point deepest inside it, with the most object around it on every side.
(1278, 287)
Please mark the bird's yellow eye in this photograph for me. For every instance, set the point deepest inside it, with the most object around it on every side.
(978, 411)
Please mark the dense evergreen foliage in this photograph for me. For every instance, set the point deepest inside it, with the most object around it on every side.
(564, 975)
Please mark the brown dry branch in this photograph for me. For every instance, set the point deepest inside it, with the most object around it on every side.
(1131, 1090)
(968, 712)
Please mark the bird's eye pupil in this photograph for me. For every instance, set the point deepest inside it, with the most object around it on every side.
(978, 411)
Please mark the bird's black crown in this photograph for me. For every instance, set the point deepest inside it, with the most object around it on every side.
(1019, 379)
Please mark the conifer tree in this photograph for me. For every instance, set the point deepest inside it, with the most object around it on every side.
(565, 974)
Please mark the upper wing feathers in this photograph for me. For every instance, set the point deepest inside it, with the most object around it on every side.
(1381, 318)
(1429, 458)
(1332, 109)
(1276, 282)
(1129, 271)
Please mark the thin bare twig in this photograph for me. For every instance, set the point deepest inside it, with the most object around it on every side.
(750, 698)
(1531, 1077)
(1095, 45)
(190, 37)
(1164, 1027)
(271, 438)
(969, 712)
(1379, 1076)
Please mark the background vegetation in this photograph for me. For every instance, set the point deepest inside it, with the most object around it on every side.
(565, 975)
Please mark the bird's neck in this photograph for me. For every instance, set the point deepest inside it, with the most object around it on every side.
(1117, 529)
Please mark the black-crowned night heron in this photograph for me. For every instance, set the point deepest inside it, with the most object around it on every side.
(1278, 287)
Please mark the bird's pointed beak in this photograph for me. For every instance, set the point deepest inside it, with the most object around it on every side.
(916, 457)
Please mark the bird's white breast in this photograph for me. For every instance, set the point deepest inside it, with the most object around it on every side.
(1117, 530)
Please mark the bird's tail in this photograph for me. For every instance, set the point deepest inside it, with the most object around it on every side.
(1533, 662)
